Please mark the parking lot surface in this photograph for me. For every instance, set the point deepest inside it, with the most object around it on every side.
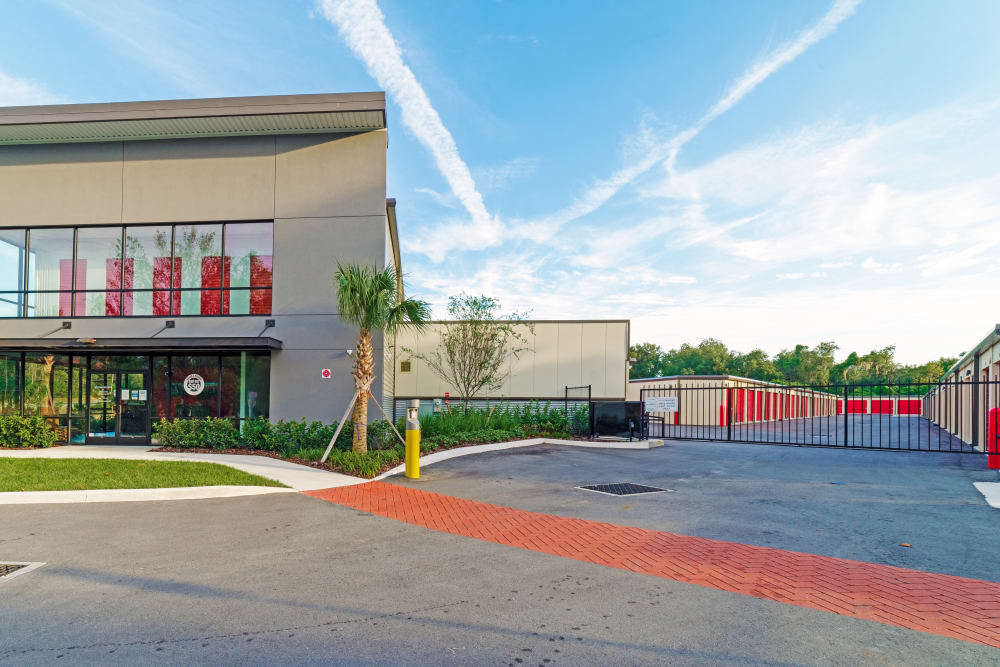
(289, 578)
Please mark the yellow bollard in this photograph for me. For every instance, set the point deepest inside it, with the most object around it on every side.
(413, 440)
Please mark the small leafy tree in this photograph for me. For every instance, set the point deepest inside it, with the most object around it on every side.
(373, 301)
(476, 344)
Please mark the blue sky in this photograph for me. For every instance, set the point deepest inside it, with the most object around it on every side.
(767, 173)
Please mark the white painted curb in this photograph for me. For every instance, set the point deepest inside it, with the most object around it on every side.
(135, 495)
(299, 477)
(990, 491)
(498, 446)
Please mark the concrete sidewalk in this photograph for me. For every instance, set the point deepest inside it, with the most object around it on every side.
(296, 477)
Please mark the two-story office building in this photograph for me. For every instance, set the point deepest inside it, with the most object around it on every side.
(175, 259)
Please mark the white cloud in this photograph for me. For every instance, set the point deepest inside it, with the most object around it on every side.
(498, 176)
(603, 190)
(19, 92)
(440, 198)
(923, 186)
(800, 276)
(878, 267)
(363, 28)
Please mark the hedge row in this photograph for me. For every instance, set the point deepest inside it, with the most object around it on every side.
(17, 431)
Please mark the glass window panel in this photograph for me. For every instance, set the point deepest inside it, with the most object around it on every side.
(11, 304)
(246, 382)
(10, 383)
(11, 260)
(60, 426)
(248, 301)
(232, 381)
(46, 384)
(257, 399)
(160, 380)
(78, 387)
(196, 302)
(148, 248)
(204, 404)
(99, 260)
(98, 304)
(142, 303)
(199, 248)
(50, 259)
(249, 251)
(77, 432)
(54, 304)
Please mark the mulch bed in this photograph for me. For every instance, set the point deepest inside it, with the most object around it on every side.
(20, 449)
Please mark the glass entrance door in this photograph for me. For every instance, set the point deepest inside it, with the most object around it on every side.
(134, 402)
(102, 420)
(118, 406)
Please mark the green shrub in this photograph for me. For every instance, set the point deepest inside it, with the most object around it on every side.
(366, 465)
(206, 433)
(17, 431)
(257, 434)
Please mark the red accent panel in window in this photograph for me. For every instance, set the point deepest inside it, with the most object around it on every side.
(211, 276)
(113, 281)
(161, 283)
(66, 285)
(260, 276)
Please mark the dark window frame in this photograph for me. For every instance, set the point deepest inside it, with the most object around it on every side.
(24, 293)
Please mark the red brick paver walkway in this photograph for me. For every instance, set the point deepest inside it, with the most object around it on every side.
(967, 609)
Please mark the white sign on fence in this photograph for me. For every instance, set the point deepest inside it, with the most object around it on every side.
(660, 404)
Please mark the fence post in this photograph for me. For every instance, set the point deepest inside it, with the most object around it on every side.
(845, 415)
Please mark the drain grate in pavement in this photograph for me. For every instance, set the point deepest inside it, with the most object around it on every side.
(622, 488)
(11, 570)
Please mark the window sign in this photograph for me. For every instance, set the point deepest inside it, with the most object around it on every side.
(194, 384)
(124, 394)
(142, 394)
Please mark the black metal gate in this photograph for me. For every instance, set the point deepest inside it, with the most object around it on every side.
(960, 417)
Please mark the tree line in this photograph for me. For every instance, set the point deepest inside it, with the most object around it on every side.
(800, 365)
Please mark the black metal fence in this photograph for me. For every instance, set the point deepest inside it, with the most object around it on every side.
(960, 417)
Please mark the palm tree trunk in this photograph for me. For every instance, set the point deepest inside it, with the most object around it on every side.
(363, 376)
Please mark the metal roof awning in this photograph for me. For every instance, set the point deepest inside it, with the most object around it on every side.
(142, 345)
(176, 119)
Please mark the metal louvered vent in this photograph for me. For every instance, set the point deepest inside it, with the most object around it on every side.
(178, 128)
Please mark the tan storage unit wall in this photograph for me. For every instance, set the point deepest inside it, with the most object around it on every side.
(950, 405)
(711, 400)
(559, 354)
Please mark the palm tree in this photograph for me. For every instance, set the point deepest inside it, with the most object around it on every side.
(372, 300)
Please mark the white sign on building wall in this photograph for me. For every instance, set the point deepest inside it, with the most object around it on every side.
(660, 404)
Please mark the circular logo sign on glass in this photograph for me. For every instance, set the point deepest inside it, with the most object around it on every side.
(194, 384)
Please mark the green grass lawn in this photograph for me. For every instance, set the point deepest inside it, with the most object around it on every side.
(30, 474)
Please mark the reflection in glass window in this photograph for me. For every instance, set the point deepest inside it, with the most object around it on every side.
(99, 267)
(46, 384)
(148, 250)
(10, 382)
(205, 404)
(249, 254)
(50, 261)
(198, 258)
(11, 260)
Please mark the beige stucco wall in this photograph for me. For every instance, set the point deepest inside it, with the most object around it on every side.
(559, 354)
(325, 193)
(179, 180)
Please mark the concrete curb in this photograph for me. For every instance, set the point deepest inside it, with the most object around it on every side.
(990, 491)
(498, 446)
(297, 477)
(135, 495)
